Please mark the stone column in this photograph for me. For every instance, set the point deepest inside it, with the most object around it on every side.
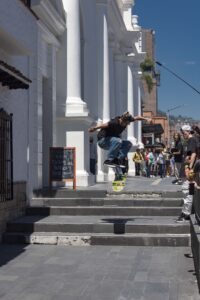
(130, 103)
(130, 108)
(119, 85)
(138, 128)
(103, 80)
(72, 131)
(74, 103)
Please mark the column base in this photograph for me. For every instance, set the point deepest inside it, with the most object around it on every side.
(101, 176)
(131, 170)
(76, 107)
(83, 179)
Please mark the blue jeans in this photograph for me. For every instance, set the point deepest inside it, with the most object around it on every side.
(116, 147)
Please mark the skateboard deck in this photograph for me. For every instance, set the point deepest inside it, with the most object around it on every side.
(120, 179)
(118, 185)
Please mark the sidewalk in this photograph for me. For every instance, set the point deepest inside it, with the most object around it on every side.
(142, 184)
(96, 273)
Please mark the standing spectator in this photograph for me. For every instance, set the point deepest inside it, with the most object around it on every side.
(167, 156)
(154, 164)
(161, 164)
(93, 156)
(137, 158)
(150, 158)
(190, 155)
(178, 158)
(147, 162)
(143, 163)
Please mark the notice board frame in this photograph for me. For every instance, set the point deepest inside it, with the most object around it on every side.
(51, 178)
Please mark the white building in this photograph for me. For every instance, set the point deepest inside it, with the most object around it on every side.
(82, 57)
(102, 43)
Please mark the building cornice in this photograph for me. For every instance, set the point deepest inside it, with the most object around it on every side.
(49, 16)
(125, 4)
(118, 30)
(48, 36)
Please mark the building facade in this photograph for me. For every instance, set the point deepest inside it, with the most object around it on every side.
(80, 61)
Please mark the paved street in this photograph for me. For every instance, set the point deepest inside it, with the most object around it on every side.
(96, 273)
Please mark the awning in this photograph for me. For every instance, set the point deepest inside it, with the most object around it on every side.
(13, 78)
(152, 128)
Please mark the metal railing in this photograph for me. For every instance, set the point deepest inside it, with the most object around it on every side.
(6, 157)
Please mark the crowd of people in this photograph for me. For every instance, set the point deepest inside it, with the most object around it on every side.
(181, 161)
(153, 162)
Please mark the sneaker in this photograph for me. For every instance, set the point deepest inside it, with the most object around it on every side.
(189, 255)
(182, 218)
(121, 163)
(179, 182)
(174, 181)
(110, 163)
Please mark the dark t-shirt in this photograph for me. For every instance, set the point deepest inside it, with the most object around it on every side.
(190, 147)
(114, 129)
(178, 148)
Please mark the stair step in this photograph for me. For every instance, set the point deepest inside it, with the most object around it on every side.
(63, 192)
(96, 224)
(125, 201)
(108, 210)
(174, 240)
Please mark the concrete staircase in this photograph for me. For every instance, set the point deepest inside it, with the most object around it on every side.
(97, 218)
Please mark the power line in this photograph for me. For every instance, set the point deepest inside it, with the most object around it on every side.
(170, 71)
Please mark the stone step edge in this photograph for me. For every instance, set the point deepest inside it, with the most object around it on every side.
(71, 239)
(103, 207)
(107, 198)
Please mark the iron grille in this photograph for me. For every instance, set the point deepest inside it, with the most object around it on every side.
(6, 157)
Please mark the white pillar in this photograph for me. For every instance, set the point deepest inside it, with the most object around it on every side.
(73, 130)
(103, 81)
(106, 75)
(130, 104)
(119, 85)
(139, 113)
(130, 108)
(103, 62)
(74, 103)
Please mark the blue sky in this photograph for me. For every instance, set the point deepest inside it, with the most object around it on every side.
(177, 34)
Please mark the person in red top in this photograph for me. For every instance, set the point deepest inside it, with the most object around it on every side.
(109, 138)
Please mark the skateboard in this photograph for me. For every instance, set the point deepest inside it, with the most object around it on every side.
(120, 180)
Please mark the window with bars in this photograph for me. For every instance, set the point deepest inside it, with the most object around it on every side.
(6, 157)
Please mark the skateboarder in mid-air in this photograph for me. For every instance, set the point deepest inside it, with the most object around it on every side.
(109, 138)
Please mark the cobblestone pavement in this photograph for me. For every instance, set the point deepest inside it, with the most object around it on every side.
(96, 273)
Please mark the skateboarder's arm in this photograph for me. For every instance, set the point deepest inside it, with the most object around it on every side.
(140, 118)
(101, 126)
